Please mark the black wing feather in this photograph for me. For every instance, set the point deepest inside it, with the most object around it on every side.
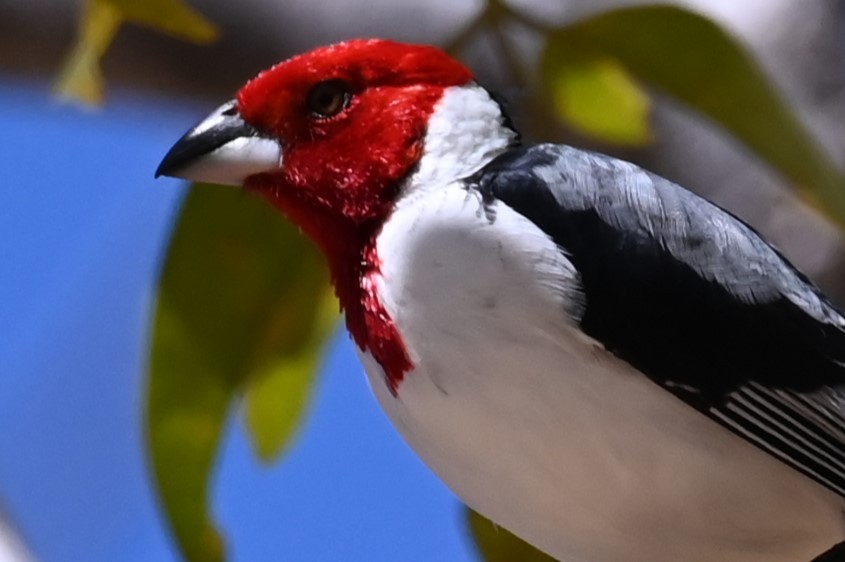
(693, 298)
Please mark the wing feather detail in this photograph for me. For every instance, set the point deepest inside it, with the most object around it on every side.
(693, 298)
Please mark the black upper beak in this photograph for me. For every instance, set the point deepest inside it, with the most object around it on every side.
(221, 149)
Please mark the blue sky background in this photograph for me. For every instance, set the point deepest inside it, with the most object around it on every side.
(82, 227)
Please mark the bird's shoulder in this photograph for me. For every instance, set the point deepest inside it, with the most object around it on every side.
(605, 199)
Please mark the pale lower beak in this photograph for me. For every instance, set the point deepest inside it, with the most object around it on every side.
(221, 149)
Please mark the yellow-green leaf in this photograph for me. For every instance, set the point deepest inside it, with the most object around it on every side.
(241, 301)
(272, 423)
(692, 59)
(173, 17)
(496, 544)
(81, 79)
(597, 97)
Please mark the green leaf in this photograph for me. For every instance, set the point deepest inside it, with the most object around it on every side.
(81, 79)
(241, 304)
(272, 423)
(496, 544)
(173, 17)
(692, 59)
(597, 97)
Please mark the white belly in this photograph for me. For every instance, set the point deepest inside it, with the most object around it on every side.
(536, 427)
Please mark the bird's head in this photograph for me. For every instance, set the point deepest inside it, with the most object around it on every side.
(334, 138)
(331, 136)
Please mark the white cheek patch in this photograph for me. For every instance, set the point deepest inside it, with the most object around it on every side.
(233, 162)
(465, 131)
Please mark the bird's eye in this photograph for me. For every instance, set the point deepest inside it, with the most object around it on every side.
(328, 98)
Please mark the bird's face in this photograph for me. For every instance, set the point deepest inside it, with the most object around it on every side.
(327, 136)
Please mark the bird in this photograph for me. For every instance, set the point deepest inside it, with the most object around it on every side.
(591, 356)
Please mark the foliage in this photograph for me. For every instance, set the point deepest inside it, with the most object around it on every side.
(500, 545)
(694, 61)
(243, 305)
(81, 79)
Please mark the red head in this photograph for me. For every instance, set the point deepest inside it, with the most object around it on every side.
(351, 119)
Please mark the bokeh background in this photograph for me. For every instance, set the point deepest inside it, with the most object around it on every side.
(83, 226)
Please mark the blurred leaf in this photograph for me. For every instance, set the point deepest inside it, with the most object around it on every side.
(597, 97)
(81, 79)
(173, 17)
(241, 294)
(692, 59)
(499, 545)
(272, 422)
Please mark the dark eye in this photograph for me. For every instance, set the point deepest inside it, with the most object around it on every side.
(328, 98)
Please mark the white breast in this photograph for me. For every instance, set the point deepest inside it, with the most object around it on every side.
(535, 426)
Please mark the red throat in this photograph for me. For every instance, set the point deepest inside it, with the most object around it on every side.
(373, 328)
(355, 270)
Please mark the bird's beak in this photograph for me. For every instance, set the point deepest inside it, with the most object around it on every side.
(221, 149)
